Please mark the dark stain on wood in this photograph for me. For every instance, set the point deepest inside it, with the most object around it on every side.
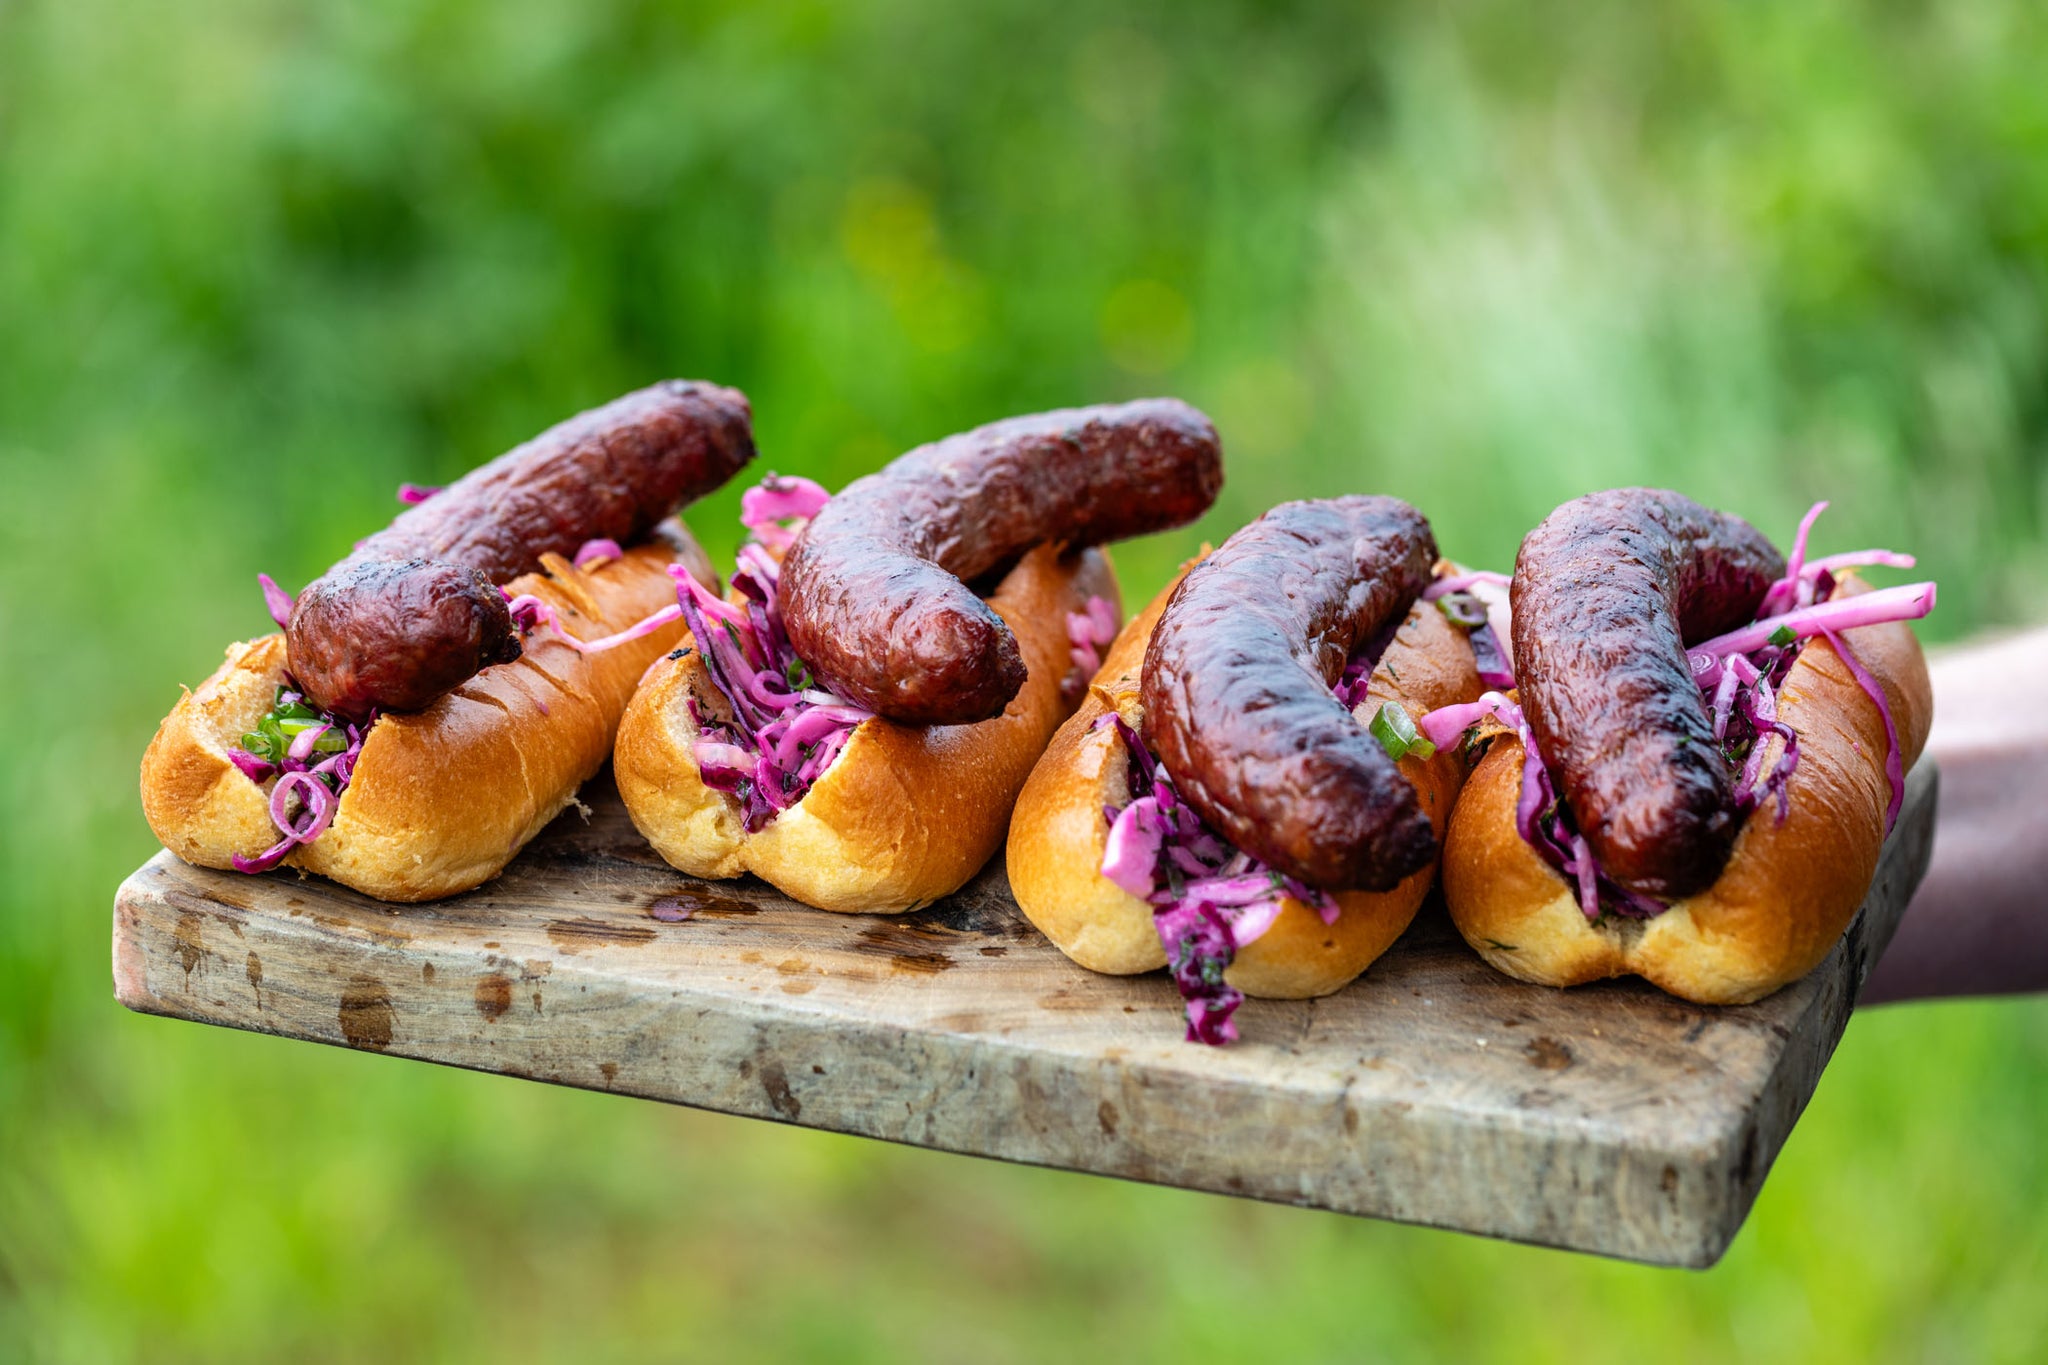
(366, 1015)
(1547, 1054)
(572, 936)
(908, 947)
(254, 968)
(493, 996)
(187, 943)
(609, 1070)
(994, 950)
(427, 973)
(700, 902)
(691, 902)
(775, 1081)
(1106, 1115)
(1669, 1181)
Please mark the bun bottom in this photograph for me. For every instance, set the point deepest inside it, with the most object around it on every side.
(906, 814)
(1790, 888)
(440, 799)
(1058, 833)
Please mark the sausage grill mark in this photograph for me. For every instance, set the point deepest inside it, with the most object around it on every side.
(875, 591)
(1237, 690)
(415, 610)
(1607, 593)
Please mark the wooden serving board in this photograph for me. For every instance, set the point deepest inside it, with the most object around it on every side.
(1610, 1119)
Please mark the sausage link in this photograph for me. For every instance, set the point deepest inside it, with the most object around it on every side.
(1607, 593)
(414, 611)
(875, 593)
(1237, 693)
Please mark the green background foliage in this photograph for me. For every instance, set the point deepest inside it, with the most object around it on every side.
(260, 262)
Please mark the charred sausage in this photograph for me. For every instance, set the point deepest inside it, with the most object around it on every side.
(1237, 690)
(1607, 593)
(875, 590)
(415, 611)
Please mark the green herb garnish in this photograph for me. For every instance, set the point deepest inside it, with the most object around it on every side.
(1784, 636)
(1396, 732)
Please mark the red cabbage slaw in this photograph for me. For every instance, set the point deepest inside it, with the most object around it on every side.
(1089, 632)
(783, 728)
(312, 755)
(1740, 674)
(1208, 899)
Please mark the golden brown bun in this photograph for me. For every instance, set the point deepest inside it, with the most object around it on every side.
(906, 813)
(443, 798)
(1789, 889)
(1058, 831)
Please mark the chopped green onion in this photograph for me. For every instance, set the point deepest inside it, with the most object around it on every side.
(1396, 731)
(1462, 609)
(1783, 636)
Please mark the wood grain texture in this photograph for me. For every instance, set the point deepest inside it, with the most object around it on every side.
(1611, 1118)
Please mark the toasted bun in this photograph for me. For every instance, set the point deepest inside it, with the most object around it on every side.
(443, 798)
(1058, 832)
(905, 814)
(1789, 889)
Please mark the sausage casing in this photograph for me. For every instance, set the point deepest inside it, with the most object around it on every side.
(415, 611)
(1237, 690)
(1607, 593)
(875, 590)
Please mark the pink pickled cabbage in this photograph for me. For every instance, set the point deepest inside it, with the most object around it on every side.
(413, 494)
(783, 728)
(276, 600)
(309, 782)
(777, 509)
(596, 552)
(1739, 674)
(1208, 899)
(1089, 632)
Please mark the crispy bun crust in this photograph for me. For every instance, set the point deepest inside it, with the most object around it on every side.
(442, 798)
(1789, 890)
(906, 813)
(1057, 833)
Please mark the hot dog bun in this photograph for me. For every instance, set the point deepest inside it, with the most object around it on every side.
(1789, 889)
(1058, 832)
(441, 799)
(906, 813)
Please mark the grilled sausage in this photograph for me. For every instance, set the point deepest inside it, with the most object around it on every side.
(415, 611)
(1237, 693)
(1607, 593)
(875, 593)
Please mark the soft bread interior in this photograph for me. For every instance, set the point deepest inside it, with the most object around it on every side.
(905, 814)
(1790, 888)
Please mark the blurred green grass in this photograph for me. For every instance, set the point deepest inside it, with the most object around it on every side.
(261, 262)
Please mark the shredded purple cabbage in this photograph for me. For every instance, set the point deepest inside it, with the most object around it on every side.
(276, 600)
(596, 552)
(1740, 674)
(313, 756)
(1208, 899)
(783, 728)
(413, 494)
(1089, 632)
(1468, 614)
